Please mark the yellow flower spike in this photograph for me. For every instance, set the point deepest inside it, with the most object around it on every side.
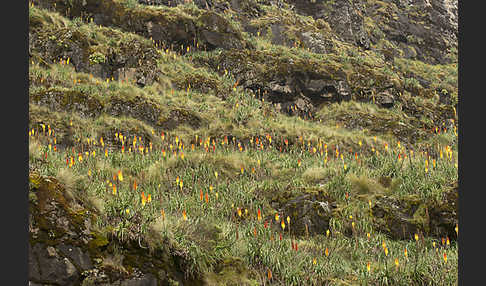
(447, 241)
(396, 263)
(177, 180)
(127, 211)
(368, 267)
(383, 244)
(386, 251)
(457, 229)
(120, 176)
(239, 212)
(314, 261)
(288, 220)
(210, 188)
(328, 233)
(352, 224)
(181, 184)
(246, 211)
(369, 203)
(368, 235)
(360, 143)
(277, 217)
(184, 215)
(283, 225)
(416, 237)
(149, 198)
(162, 212)
(89, 173)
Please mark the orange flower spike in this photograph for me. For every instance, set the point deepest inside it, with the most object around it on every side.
(314, 261)
(162, 212)
(368, 267)
(114, 189)
(254, 232)
(184, 215)
(445, 257)
(149, 198)
(135, 185)
(201, 195)
(259, 215)
(283, 225)
(269, 274)
(207, 198)
(144, 199)
(299, 162)
(405, 252)
(326, 252)
(396, 263)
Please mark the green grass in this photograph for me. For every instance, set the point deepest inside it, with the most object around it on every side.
(156, 175)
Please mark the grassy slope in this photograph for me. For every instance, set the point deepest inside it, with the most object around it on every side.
(260, 177)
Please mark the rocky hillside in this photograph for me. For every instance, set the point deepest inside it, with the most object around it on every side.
(339, 116)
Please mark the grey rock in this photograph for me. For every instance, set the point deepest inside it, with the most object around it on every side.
(79, 258)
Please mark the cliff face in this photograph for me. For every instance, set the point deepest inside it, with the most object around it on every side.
(419, 30)
(351, 75)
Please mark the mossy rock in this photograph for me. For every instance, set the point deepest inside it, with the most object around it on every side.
(63, 99)
(401, 219)
(310, 210)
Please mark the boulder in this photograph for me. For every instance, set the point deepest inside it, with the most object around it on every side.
(402, 219)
